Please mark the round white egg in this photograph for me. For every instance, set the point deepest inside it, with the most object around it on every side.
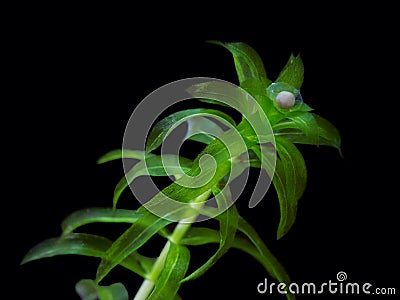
(285, 99)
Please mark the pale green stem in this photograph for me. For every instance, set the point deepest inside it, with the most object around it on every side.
(176, 236)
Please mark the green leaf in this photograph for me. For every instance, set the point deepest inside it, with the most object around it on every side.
(279, 182)
(80, 244)
(212, 101)
(119, 154)
(307, 124)
(268, 260)
(98, 214)
(155, 165)
(87, 289)
(293, 72)
(131, 240)
(175, 267)
(203, 130)
(253, 86)
(256, 88)
(328, 132)
(266, 157)
(200, 236)
(161, 130)
(149, 224)
(73, 243)
(290, 180)
(214, 153)
(328, 135)
(145, 262)
(247, 62)
(228, 221)
(253, 246)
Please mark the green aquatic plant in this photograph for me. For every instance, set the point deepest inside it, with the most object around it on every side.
(268, 131)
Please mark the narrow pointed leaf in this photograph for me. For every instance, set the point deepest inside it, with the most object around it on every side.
(269, 261)
(119, 154)
(161, 130)
(279, 182)
(149, 224)
(155, 165)
(266, 158)
(98, 214)
(79, 244)
(74, 243)
(253, 246)
(131, 240)
(256, 88)
(202, 138)
(202, 130)
(212, 101)
(328, 135)
(228, 222)
(328, 132)
(293, 72)
(179, 192)
(290, 180)
(175, 267)
(200, 236)
(284, 125)
(307, 124)
(145, 262)
(247, 62)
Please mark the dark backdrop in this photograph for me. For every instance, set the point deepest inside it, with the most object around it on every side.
(76, 78)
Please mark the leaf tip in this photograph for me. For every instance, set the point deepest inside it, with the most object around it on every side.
(340, 152)
(101, 272)
(283, 229)
(24, 260)
(215, 42)
(280, 235)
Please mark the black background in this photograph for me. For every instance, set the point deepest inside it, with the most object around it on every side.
(77, 73)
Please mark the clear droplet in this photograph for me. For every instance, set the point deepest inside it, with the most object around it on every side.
(275, 88)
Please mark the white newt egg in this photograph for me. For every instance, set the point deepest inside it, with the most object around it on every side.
(285, 99)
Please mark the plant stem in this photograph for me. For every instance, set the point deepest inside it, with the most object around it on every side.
(176, 236)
